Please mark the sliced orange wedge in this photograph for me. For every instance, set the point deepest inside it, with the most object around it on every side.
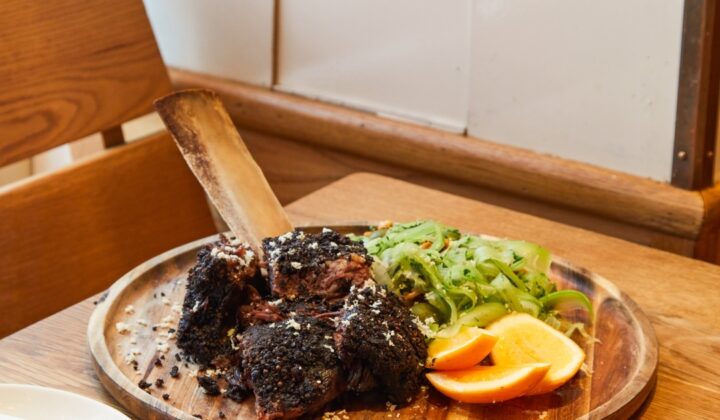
(525, 339)
(465, 349)
(488, 384)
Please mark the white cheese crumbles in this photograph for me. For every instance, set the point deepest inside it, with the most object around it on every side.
(162, 346)
(122, 328)
(296, 265)
(177, 308)
(424, 327)
(389, 334)
(285, 237)
(166, 322)
(129, 309)
(195, 306)
(130, 359)
(166, 301)
(291, 323)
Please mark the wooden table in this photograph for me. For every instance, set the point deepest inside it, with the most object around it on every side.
(680, 295)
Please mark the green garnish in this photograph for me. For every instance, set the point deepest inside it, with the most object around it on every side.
(457, 279)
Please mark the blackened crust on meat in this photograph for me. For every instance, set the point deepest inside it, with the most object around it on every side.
(210, 385)
(291, 366)
(238, 388)
(378, 343)
(326, 264)
(214, 291)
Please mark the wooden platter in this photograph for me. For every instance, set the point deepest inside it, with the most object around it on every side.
(619, 374)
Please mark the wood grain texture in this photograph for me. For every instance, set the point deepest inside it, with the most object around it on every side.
(609, 194)
(70, 234)
(623, 365)
(53, 352)
(295, 169)
(70, 69)
(698, 88)
(217, 155)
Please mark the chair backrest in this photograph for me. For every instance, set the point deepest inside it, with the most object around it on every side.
(69, 68)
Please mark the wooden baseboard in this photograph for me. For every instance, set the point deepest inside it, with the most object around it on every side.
(304, 144)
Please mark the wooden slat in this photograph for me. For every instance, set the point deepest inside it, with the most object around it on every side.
(70, 234)
(70, 68)
(698, 88)
(609, 194)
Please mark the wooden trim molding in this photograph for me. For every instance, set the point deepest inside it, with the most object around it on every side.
(698, 89)
(569, 184)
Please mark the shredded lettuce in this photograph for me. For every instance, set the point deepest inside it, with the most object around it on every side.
(455, 279)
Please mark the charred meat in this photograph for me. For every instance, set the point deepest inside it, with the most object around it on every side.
(379, 344)
(325, 265)
(291, 366)
(214, 292)
(299, 328)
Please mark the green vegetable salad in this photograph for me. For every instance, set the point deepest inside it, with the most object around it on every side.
(454, 279)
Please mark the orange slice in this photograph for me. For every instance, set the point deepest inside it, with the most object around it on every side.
(488, 384)
(465, 349)
(525, 339)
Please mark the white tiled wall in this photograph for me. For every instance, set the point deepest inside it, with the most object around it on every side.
(403, 57)
(594, 81)
(227, 38)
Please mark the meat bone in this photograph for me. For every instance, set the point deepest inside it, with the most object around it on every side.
(217, 155)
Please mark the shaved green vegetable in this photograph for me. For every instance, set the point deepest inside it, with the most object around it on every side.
(466, 279)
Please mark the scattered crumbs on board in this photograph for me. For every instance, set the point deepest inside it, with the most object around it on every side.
(335, 415)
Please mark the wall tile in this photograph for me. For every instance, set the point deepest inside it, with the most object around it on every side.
(227, 38)
(594, 81)
(405, 58)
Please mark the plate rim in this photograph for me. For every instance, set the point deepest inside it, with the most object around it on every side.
(64, 393)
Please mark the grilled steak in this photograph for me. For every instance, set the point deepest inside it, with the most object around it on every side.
(213, 294)
(323, 265)
(379, 344)
(291, 366)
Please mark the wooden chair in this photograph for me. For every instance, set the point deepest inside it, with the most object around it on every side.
(70, 68)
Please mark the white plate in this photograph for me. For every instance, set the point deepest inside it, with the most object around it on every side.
(30, 402)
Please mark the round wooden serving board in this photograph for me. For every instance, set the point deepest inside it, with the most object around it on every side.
(619, 375)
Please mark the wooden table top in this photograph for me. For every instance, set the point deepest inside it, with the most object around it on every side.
(677, 293)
